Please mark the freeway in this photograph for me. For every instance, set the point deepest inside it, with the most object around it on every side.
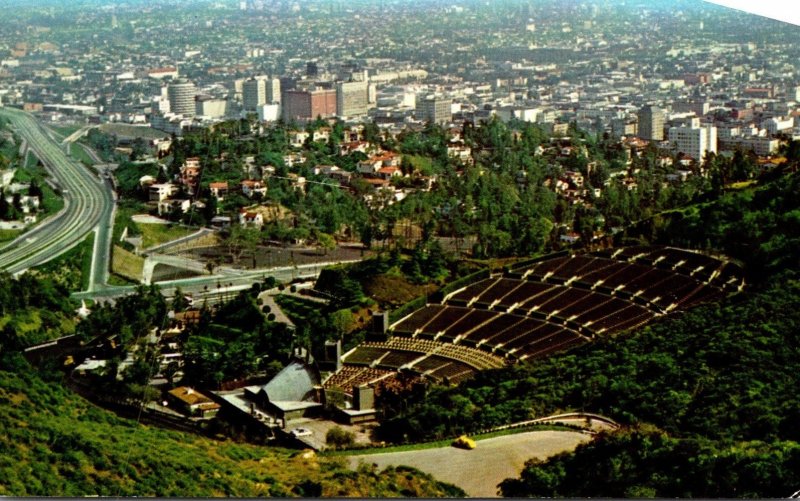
(88, 206)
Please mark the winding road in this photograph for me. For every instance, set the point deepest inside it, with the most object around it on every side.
(88, 206)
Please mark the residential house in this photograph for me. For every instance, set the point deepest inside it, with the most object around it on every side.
(192, 403)
(321, 135)
(251, 187)
(293, 159)
(190, 174)
(161, 191)
(298, 138)
(374, 163)
(170, 205)
(389, 172)
(219, 190)
(250, 218)
(354, 146)
(460, 152)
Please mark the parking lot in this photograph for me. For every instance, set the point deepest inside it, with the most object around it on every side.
(479, 471)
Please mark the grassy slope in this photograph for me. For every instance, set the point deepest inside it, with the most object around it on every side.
(73, 267)
(79, 153)
(155, 234)
(126, 264)
(56, 444)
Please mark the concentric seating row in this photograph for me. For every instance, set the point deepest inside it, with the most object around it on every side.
(356, 375)
(539, 308)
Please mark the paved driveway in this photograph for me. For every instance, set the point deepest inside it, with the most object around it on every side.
(480, 470)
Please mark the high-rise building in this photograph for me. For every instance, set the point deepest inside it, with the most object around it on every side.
(273, 89)
(309, 104)
(433, 109)
(254, 94)
(651, 123)
(694, 139)
(181, 97)
(352, 99)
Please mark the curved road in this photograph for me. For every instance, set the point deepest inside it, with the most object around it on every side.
(89, 206)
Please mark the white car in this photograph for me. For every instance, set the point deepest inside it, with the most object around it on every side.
(301, 432)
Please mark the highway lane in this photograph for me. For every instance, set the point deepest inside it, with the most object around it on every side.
(89, 206)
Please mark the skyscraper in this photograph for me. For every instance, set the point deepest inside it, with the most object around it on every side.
(309, 104)
(181, 97)
(651, 123)
(351, 99)
(254, 94)
(273, 88)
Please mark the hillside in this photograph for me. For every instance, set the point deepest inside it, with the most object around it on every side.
(709, 396)
(56, 444)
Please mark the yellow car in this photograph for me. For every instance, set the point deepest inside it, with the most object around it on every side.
(464, 442)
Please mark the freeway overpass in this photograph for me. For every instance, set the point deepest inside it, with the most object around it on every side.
(215, 287)
(88, 206)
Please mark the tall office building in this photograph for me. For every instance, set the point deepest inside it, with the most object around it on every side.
(254, 94)
(651, 123)
(309, 104)
(273, 89)
(181, 97)
(433, 109)
(694, 139)
(352, 99)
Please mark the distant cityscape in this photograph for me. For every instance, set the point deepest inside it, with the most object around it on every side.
(678, 74)
(440, 248)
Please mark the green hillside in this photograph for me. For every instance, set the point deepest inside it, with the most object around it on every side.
(56, 444)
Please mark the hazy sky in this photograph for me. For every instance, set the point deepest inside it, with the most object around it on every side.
(782, 10)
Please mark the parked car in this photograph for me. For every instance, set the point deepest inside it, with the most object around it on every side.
(464, 442)
(301, 432)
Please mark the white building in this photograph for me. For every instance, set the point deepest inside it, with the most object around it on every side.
(694, 140)
(776, 125)
(269, 112)
(160, 192)
(272, 87)
(181, 97)
(206, 106)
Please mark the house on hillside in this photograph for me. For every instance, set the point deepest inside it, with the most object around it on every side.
(219, 190)
(251, 187)
(250, 218)
(190, 174)
(192, 403)
(161, 191)
(171, 205)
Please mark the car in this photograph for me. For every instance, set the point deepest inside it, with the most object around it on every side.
(464, 442)
(301, 432)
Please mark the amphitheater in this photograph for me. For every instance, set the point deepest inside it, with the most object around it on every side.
(537, 308)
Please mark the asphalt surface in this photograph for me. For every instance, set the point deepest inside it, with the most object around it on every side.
(89, 206)
(480, 470)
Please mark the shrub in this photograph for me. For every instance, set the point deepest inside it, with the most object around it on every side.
(339, 438)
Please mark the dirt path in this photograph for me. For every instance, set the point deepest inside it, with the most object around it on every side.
(480, 470)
